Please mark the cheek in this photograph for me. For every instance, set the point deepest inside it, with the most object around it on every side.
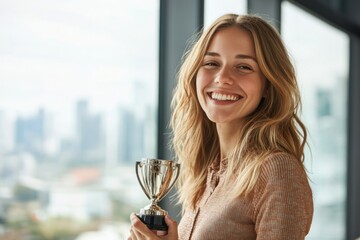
(256, 87)
(199, 84)
(202, 78)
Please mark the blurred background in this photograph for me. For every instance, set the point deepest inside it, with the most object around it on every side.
(85, 90)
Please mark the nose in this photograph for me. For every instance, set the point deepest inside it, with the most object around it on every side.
(224, 76)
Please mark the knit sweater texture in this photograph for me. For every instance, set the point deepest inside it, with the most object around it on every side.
(279, 208)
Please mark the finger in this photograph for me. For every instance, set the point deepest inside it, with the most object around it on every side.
(135, 222)
(140, 229)
(172, 227)
(136, 235)
(132, 235)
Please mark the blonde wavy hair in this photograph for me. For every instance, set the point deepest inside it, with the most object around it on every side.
(273, 127)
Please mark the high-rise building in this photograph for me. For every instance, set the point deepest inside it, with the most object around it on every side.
(30, 133)
(131, 137)
(90, 137)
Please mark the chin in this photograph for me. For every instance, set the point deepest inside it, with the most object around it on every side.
(218, 119)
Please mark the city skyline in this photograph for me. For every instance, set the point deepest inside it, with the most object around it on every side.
(89, 132)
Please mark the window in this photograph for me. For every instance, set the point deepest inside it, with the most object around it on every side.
(321, 54)
(78, 106)
(214, 9)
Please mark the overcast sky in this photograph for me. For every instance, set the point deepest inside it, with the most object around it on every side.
(55, 52)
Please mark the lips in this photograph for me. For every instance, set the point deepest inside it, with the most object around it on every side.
(224, 96)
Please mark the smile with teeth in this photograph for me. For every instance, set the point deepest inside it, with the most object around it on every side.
(224, 97)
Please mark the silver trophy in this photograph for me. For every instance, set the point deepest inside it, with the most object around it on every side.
(156, 178)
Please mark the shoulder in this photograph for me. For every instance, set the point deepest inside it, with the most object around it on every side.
(281, 165)
(282, 198)
(282, 172)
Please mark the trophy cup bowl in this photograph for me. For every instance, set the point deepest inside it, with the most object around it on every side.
(156, 177)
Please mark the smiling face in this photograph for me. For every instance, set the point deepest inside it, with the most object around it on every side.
(229, 83)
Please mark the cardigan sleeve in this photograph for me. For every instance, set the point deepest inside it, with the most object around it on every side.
(283, 200)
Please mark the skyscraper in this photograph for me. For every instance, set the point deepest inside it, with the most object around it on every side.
(90, 138)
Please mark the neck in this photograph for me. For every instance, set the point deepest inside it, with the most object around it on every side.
(228, 138)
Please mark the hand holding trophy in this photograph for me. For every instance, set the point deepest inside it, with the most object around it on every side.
(156, 177)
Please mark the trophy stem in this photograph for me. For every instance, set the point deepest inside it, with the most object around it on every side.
(153, 209)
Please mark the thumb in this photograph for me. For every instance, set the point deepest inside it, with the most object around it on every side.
(172, 227)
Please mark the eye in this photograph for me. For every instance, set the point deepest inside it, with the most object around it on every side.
(244, 68)
(211, 64)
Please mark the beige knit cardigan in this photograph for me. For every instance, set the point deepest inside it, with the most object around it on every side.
(280, 206)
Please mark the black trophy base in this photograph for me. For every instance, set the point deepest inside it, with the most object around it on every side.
(154, 222)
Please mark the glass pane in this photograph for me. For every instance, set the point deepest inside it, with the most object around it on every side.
(334, 4)
(216, 8)
(321, 54)
(78, 107)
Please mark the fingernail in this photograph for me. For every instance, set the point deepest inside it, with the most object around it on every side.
(134, 216)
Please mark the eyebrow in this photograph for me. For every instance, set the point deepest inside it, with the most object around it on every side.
(241, 56)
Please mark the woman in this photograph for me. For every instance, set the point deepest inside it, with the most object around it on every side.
(238, 137)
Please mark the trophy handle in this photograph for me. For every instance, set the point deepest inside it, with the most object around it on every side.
(137, 165)
(177, 167)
